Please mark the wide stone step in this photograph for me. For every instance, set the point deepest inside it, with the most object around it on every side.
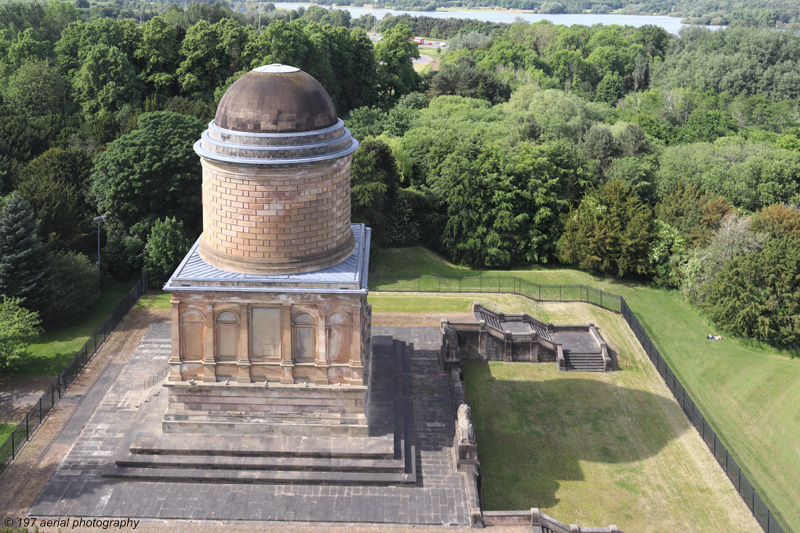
(283, 477)
(244, 446)
(289, 464)
(267, 427)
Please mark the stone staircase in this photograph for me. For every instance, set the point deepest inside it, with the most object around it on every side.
(584, 362)
(384, 457)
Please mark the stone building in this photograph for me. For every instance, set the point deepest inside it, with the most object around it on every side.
(270, 321)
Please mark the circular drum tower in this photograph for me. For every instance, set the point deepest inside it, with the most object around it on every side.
(276, 176)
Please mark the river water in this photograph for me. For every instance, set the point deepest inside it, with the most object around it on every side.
(671, 24)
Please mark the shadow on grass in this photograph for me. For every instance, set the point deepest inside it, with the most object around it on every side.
(533, 435)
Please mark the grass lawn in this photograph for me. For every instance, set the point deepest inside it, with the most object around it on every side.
(596, 448)
(5, 431)
(750, 392)
(54, 349)
(154, 301)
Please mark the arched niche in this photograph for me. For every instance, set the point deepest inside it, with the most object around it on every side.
(193, 337)
(304, 343)
(226, 338)
(340, 332)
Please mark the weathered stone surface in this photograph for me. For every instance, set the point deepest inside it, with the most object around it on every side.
(78, 488)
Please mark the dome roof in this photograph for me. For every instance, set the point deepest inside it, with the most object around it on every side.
(276, 99)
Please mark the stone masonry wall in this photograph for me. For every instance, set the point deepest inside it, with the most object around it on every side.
(281, 218)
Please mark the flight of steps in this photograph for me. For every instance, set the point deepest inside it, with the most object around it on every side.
(385, 457)
(584, 362)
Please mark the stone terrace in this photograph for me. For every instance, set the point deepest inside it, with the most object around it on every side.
(81, 485)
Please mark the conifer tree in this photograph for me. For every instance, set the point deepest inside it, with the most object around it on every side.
(24, 262)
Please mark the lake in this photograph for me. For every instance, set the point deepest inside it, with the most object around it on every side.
(671, 24)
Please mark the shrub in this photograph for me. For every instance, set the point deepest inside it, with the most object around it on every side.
(166, 246)
(18, 327)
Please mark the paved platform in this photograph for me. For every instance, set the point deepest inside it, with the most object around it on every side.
(107, 423)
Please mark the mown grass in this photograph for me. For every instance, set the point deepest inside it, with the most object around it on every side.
(5, 431)
(154, 301)
(748, 391)
(51, 352)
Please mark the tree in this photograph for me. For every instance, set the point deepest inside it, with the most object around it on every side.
(610, 89)
(396, 74)
(778, 220)
(20, 141)
(72, 290)
(151, 173)
(24, 264)
(610, 231)
(466, 78)
(374, 184)
(166, 247)
(159, 55)
(211, 54)
(758, 295)
(696, 214)
(734, 238)
(54, 185)
(18, 327)
(106, 80)
(37, 88)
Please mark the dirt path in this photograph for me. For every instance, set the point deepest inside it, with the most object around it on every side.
(25, 477)
(18, 394)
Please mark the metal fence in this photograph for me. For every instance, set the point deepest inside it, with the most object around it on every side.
(753, 496)
(751, 493)
(10, 448)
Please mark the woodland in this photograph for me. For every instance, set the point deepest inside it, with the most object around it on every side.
(672, 160)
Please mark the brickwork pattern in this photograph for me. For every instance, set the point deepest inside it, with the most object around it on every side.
(286, 218)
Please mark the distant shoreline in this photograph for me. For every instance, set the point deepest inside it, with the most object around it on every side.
(466, 10)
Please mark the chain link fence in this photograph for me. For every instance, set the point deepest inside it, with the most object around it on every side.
(11, 447)
(752, 494)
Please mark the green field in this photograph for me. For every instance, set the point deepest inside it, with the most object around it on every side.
(51, 352)
(750, 392)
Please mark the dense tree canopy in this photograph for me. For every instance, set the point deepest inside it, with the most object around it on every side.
(151, 172)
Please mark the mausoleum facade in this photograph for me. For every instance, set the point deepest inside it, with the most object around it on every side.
(273, 295)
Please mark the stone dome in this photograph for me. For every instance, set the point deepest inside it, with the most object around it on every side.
(276, 176)
(276, 99)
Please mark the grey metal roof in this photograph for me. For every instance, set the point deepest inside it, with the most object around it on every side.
(347, 276)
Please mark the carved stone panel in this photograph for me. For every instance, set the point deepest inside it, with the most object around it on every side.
(265, 333)
(339, 335)
(304, 338)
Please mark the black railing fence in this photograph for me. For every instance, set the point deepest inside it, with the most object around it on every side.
(751, 493)
(10, 448)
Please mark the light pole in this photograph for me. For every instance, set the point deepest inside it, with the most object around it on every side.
(98, 220)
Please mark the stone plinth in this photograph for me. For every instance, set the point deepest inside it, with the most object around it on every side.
(254, 409)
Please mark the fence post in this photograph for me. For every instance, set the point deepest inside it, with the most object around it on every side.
(540, 291)
(27, 431)
(601, 298)
(13, 451)
(559, 292)
(40, 410)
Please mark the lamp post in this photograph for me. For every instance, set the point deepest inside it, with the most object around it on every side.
(98, 220)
